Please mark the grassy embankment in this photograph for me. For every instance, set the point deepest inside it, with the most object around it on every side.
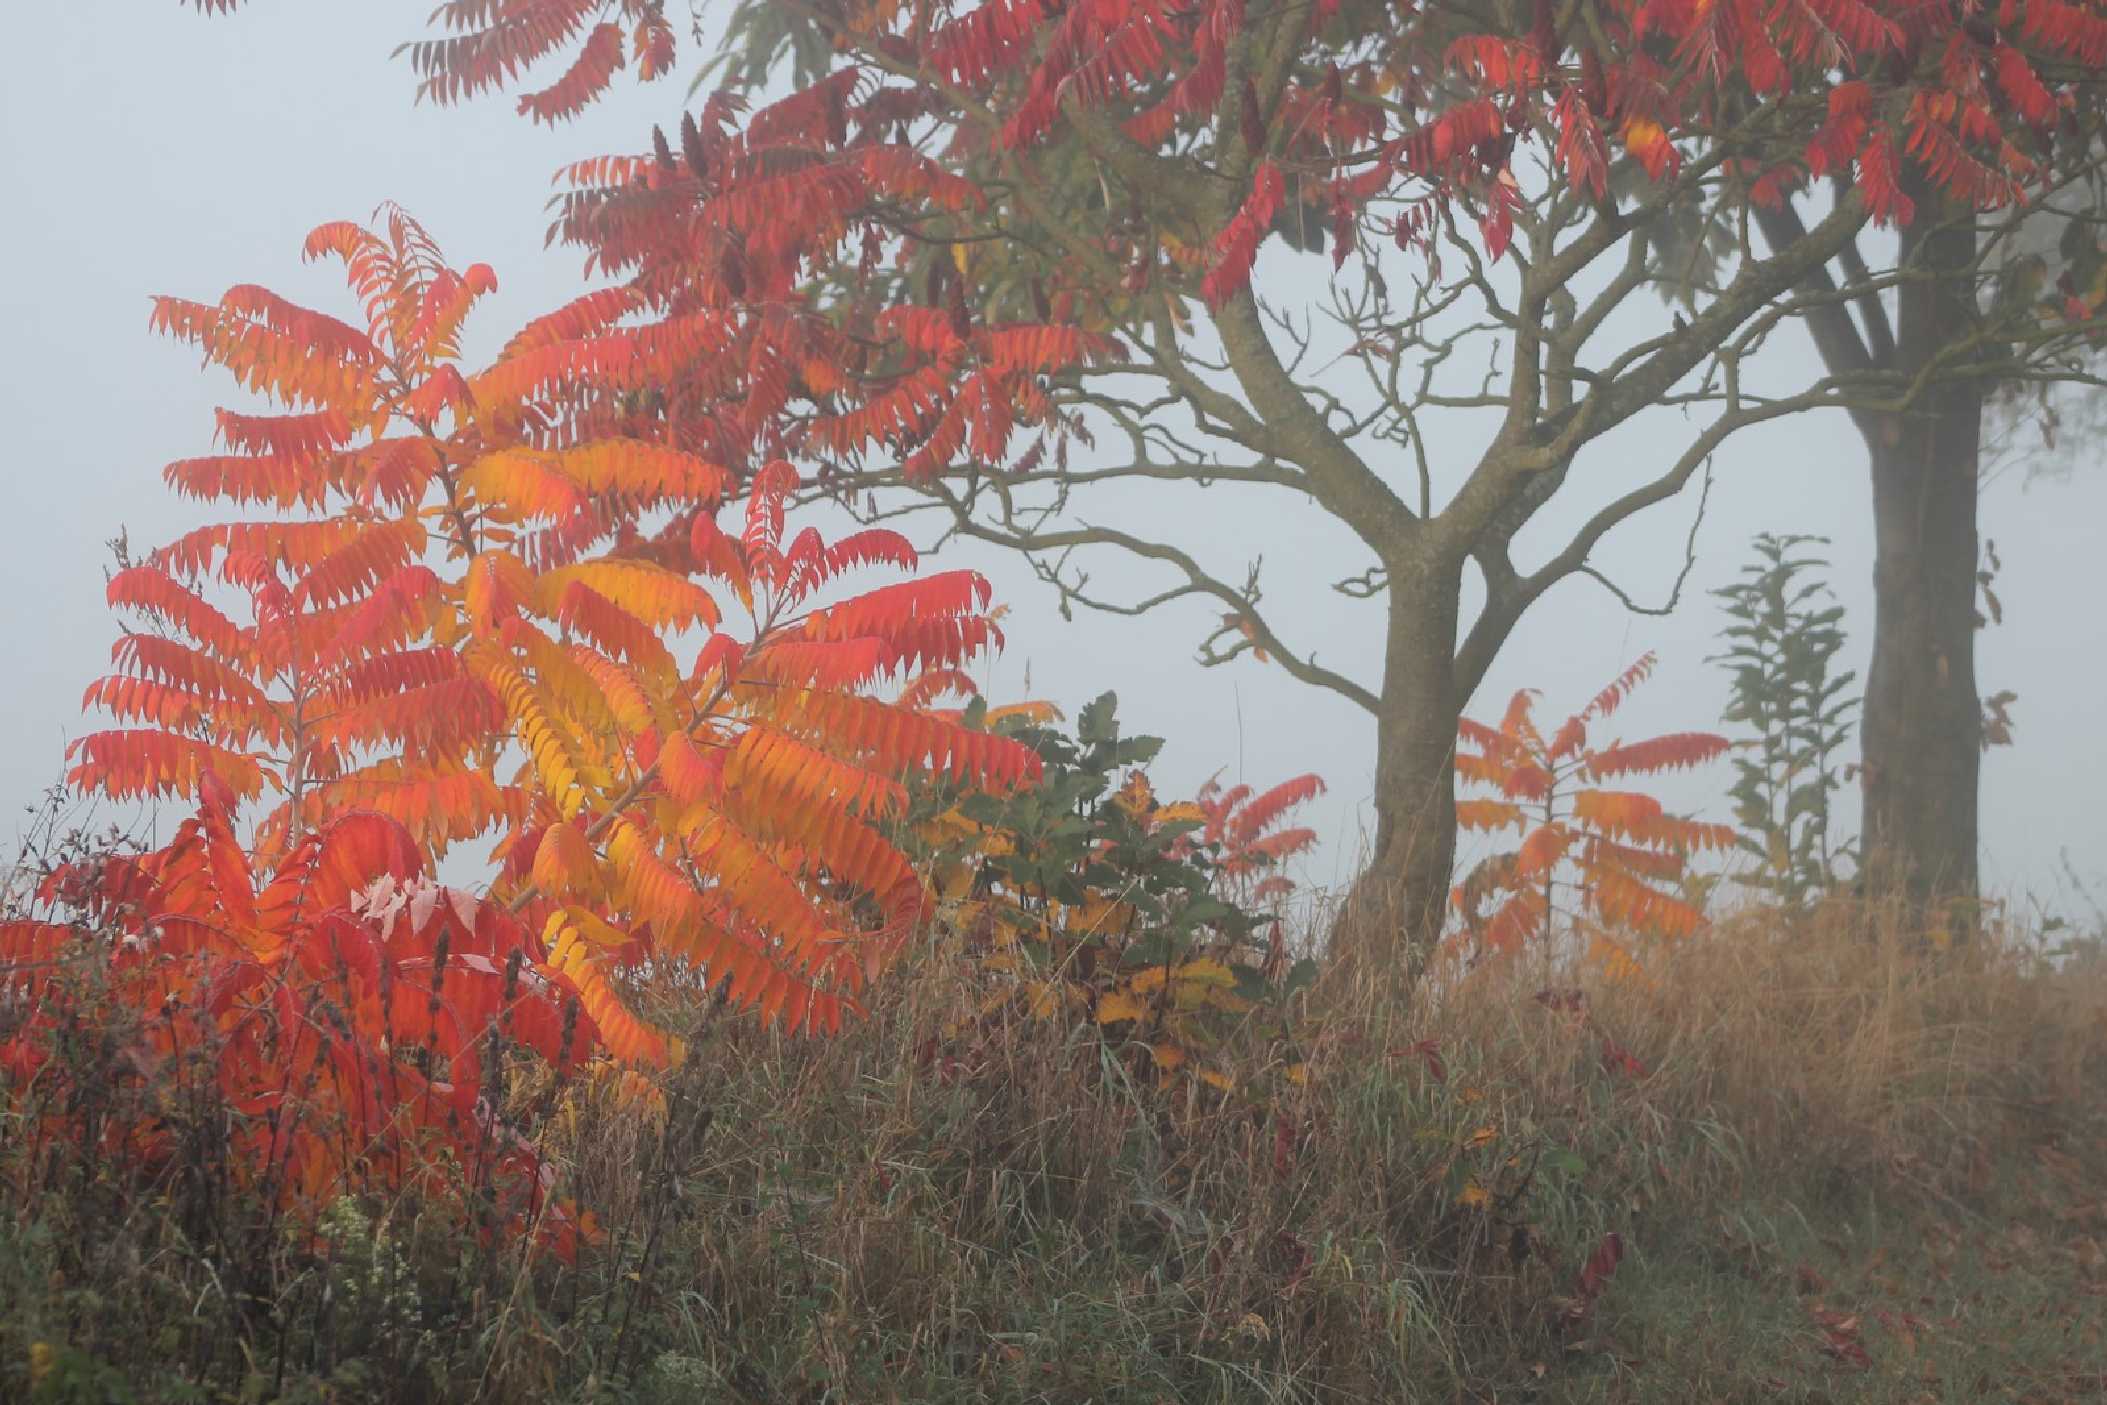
(1839, 1167)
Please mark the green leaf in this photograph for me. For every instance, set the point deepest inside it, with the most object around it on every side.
(1136, 751)
(1203, 912)
(1251, 984)
(1096, 723)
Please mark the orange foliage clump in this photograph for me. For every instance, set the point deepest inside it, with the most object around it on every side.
(1621, 848)
(447, 609)
(472, 613)
(351, 1017)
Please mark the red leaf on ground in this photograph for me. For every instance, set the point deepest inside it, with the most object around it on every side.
(1601, 1266)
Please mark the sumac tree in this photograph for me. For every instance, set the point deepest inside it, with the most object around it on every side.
(1615, 853)
(465, 602)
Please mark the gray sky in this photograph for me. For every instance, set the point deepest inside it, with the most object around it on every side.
(150, 150)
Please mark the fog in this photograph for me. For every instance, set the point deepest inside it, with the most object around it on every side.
(150, 150)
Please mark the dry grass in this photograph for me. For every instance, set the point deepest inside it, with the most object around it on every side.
(1839, 1038)
(1024, 1204)
(1856, 1166)
(1842, 1145)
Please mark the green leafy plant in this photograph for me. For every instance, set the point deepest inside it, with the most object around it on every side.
(1782, 642)
(1105, 904)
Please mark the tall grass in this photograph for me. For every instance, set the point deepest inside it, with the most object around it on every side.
(954, 1201)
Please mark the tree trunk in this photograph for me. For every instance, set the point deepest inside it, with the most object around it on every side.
(1396, 910)
(1923, 720)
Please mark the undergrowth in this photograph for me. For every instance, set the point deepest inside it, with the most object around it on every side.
(1807, 1159)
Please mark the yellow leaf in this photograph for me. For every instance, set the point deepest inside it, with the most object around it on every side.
(1487, 814)
(1640, 134)
(1474, 1196)
(1100, 916)
(1484, 1136)
(1206, 971)
(42, 1357)
(949, 826)
(1214, 1078)
(1616, 961)
(1137, 797)
(1117, 1005)
(1167, 1055)
(1184, 812)
(1035, 712)
(1201, 972)
(953, 881)
(1298, 1074)
(1050, 998)
(591, 927)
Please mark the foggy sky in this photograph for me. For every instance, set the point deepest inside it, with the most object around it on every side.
(148, 149)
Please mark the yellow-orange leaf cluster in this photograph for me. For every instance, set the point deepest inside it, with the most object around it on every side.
(486, 614)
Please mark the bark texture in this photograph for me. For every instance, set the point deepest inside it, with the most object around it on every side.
(1922, 722)
(1922, 733)
(1399, 901)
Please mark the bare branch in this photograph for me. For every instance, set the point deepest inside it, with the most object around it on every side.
(1675, 592)
(1828, 321)
(1509, 594)
(1035, 544)
(1338, 477)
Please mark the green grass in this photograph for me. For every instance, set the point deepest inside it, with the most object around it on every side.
(1855, 1292)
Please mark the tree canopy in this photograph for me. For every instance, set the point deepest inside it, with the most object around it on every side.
(999, 256)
